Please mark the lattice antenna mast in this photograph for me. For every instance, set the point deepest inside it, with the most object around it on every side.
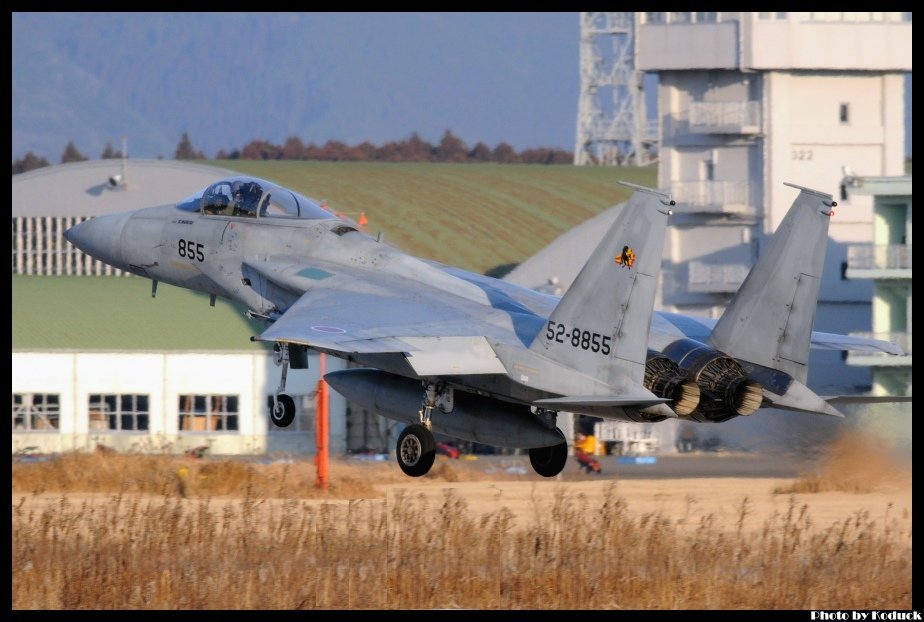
(611, 116)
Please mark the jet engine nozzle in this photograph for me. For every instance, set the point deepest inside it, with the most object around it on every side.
(664, 379)
(726, 391)
(724, 378)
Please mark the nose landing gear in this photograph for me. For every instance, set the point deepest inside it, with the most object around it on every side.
(283, 412)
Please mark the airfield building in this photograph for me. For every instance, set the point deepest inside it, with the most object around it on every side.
(97, 362)
(748, 100)
(886, 262)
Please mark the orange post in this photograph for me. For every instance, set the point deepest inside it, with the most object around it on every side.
(322, 432)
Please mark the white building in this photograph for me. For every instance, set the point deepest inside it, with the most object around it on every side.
(748, 100)
(49, 200)
(887, 262)
(164, 402)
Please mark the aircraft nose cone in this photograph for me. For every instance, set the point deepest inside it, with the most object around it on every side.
(100, 237)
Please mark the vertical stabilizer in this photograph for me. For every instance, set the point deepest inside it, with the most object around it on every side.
(769, 321)
(600, 327)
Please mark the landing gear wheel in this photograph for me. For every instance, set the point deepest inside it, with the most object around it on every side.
(549, 461)
(416, 450)
(283, 413)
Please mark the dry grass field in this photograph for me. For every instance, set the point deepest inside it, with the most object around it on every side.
(156, 532)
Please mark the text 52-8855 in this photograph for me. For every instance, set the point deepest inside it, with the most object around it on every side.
(578, 338)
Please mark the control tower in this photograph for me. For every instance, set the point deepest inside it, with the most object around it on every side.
(748, 100)
(612, 124)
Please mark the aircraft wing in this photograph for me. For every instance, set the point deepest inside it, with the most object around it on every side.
(438, 335)
(867, 399)
(694, 327)
(699, 328)
(831, 341)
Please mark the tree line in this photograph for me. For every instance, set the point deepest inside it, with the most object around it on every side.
(450, 148)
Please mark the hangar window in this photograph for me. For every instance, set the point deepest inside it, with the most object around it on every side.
(119, 413)
(36, 412)
(208, 413)
(304, 413)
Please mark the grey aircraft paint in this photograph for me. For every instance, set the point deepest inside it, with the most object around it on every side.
(478, 358)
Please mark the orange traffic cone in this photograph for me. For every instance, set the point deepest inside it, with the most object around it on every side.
(363, 221)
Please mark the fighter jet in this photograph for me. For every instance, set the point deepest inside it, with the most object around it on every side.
(480, 359)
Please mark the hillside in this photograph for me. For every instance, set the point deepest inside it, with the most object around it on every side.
(115, 313)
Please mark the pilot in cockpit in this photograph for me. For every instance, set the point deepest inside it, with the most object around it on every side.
(245, 197)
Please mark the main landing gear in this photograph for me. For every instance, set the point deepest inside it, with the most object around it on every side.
(283, 412)
(416, 449)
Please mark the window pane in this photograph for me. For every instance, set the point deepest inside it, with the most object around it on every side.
(19, 412)
(210, 413)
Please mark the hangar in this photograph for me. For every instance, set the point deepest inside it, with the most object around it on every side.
(169, 375)
(46, 201)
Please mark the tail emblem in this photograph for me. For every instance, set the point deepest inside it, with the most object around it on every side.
(627, 258)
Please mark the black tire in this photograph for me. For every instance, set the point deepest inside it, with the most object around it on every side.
(549, 461)
(416, 450)
(283, 412)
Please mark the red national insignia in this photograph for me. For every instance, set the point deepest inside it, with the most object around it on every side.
(627, 258)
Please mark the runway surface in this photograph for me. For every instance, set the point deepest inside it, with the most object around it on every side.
(668, 466)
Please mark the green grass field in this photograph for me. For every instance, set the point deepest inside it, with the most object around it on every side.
(475, 216)
(113, 313)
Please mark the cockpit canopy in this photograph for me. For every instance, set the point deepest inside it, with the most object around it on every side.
(251, 197)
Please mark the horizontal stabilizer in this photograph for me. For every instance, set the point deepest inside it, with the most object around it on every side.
(830, 411)
(698, 328)
(800, 398)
